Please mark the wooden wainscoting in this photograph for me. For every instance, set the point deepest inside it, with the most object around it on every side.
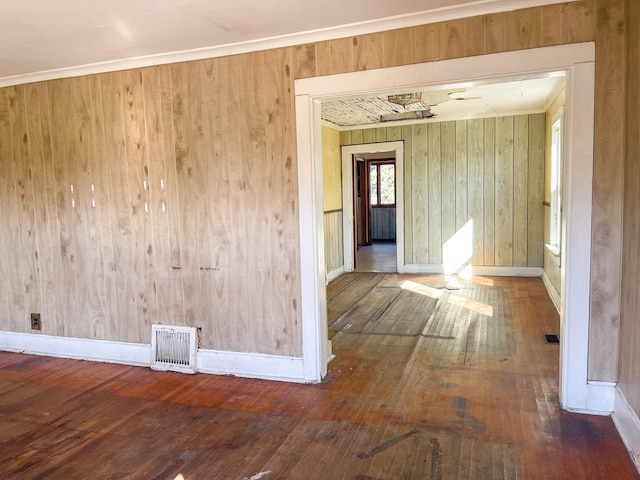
(333, 241)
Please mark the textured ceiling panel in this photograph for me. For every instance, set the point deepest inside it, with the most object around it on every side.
(451, 103)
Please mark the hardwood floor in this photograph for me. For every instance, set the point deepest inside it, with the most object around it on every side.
(377, 257)
(470, 394)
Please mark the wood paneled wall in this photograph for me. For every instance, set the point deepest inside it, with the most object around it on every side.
(608, 182)
(489, 170)
(629, 358)
(331, 169)
(552, 267)
(572, 22)
(94, 274)
(383, 223)
(333, 241)
(155, 195)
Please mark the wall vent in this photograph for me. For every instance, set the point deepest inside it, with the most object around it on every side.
(173, 348)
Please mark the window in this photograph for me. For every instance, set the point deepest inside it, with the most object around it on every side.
(555, 226)
(382, 183)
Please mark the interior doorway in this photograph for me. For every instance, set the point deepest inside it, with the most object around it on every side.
(577, 63)
(373, 221)
(374, 212)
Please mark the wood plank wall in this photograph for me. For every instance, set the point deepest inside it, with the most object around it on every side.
(521, 29)
(629, 381)
(161, 194)
(606, 258)
(489, 170)
(331, 169)
(99, 277)
(333, 240)
(383, 224)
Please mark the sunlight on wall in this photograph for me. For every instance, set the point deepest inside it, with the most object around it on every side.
(458, 249)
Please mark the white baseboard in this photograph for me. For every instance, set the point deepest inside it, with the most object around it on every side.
(423, 268)
(77, 348)
(551, 290)
(251, 365)
(600, 397)
(506, 271)
(490, 271)
(628, 425)
(332, 275)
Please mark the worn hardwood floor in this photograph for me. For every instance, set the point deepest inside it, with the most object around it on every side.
(377, 257)
(443, 380)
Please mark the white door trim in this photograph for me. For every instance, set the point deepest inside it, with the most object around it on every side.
(347, 198)
(577, 62)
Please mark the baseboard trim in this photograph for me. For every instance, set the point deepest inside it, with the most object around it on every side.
(628, 425)
(600, 397)
(553, 293)
(250, 365)
(506, 271)
(137, 354)
(333, 274)
(423, 268)
(489, 271)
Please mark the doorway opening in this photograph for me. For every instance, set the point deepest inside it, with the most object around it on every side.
(374, 193)
(373, 223)
(576, 62)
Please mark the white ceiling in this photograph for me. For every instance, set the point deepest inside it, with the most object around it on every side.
(453, 102)
(43, 35)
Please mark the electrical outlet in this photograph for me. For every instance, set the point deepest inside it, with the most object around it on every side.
(35, 321)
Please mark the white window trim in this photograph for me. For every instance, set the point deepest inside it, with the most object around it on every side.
(555, 227)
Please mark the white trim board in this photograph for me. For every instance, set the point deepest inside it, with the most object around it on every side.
(599, 398)
(250, 365)
(577, 63)
(479, 270)
(628, 425)
(137, 354)
(333, 274)
(551, 290)
(347, 198)
(468, 9)
(498, 271)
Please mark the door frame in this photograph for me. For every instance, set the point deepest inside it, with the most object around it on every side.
(348, 151)
(359, 206)
(577, 63)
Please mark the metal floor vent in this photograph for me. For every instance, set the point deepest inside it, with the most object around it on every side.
(173, 348)
(551, 338)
